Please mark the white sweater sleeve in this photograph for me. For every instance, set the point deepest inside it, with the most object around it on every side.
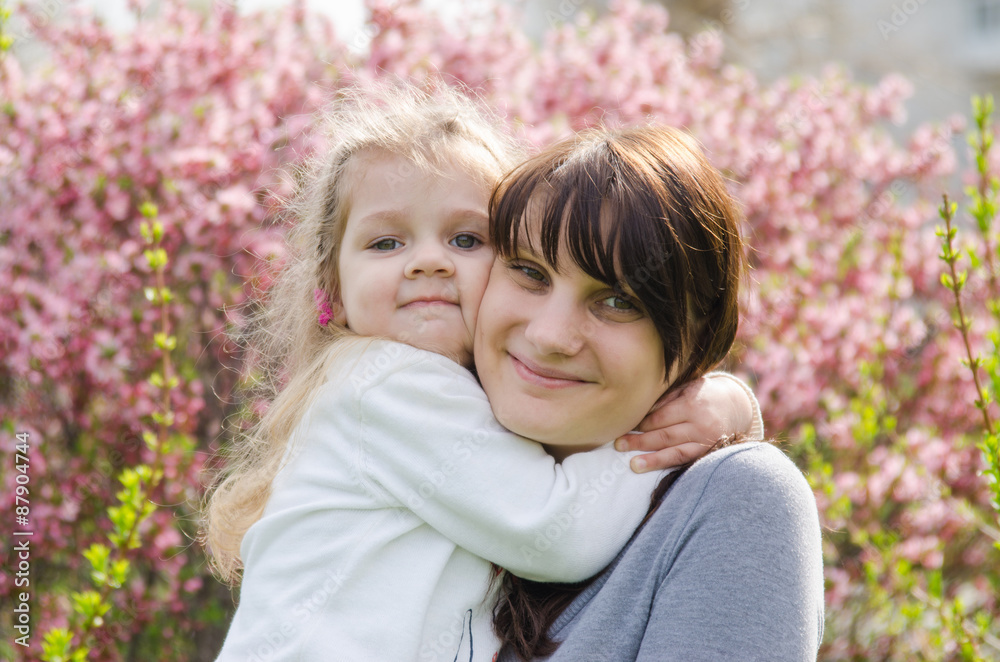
(430, 443)
(756, 431)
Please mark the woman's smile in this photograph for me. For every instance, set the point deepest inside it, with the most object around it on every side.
(533, 373)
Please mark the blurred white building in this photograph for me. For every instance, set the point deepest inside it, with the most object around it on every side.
(948, 49)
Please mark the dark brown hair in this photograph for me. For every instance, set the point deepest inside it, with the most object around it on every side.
(641, 209)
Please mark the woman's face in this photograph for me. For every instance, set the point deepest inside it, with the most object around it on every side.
(565, 359)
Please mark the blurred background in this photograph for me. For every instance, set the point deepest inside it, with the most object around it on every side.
(145, 147)
(947, 50)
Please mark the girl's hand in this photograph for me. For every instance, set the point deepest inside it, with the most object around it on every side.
(688, 423)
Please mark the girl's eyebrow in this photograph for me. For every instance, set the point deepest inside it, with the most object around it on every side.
(399, 215)
(475, 215)
(383, 216)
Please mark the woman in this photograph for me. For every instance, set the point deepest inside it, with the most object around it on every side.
(728, 563)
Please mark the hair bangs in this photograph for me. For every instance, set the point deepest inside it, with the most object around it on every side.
(571, 207)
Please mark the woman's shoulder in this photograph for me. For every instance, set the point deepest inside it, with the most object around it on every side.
(754, 479)
(750, 462)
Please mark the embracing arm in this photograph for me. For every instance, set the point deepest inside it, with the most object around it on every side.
(746, 577)
(429, 442)
(688, 423)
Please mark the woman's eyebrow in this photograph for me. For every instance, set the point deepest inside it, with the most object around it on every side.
(523, 248)
(622, 287)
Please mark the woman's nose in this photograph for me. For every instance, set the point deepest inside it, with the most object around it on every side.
(429, 258)
(556, 328)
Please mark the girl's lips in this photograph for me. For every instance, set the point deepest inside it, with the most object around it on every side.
(429, 302)
(425, 303)
(540, 376)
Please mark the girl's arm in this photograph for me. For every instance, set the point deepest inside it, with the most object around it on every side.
(688, 423)
(428, 442)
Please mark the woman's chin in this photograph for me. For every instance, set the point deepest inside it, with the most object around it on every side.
(560, 437)
(541, 429)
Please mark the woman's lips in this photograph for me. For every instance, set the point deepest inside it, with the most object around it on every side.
(541, 376)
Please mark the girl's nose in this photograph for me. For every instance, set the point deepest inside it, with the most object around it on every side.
(429, 258)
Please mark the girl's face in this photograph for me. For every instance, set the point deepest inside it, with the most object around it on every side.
(414, 260)
(565, 359)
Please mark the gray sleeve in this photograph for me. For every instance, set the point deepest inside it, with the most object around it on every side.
(745, 577)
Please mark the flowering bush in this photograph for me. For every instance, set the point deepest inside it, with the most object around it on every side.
(846, 335)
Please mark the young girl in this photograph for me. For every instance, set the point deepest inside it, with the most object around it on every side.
(367, 506)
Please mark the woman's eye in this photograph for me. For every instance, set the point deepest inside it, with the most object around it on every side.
(621, 308)
(533, 274)
(619, 303)
(386, 244)
(466, 241)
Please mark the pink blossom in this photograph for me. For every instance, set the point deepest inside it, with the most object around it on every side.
(201, 113)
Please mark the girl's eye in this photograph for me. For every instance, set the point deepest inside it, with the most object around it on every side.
(387, 244)
(466, 241)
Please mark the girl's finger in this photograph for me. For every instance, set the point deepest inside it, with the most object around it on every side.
(666, 416)
(659, 438)
(669, 457)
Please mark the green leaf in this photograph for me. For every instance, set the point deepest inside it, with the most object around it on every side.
(163, 418)
(144, 472)
(119, 573)
(98, 556)
(165, 342)
(90, 605)
(56, 645)
(934, 585)
(149, 210)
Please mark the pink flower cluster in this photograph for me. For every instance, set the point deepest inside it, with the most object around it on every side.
(846, 327)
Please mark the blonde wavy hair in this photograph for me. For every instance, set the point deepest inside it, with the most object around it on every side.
(288, 353)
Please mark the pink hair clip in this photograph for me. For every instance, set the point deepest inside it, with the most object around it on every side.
(323, 305)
